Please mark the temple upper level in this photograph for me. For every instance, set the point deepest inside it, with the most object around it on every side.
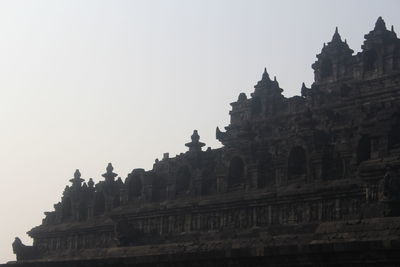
(379, 57)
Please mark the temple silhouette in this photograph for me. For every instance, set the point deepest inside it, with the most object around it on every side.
(310, 180)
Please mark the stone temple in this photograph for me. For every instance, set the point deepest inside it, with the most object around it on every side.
(310, 180)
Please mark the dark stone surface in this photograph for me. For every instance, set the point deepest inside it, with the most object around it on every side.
(311, 180)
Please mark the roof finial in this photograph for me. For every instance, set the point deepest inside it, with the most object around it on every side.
(195, 136)
(109, 175)
(276, 82)
(265, 75)
(77, 174)
(242, 97)
(336, 36)
(380, 25)
(195, 145)
(110, 167)
(77, 180)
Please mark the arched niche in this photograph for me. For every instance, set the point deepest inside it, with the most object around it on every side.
(326, 68)
(66, 208)
(297, 163)
(99, 203)
(159, 188)
(370, 60)
(236, 172)
(135, 187)
(182, 180)
(364, 149)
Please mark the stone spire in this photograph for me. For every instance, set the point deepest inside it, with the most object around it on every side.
(267, 84)
(336, 44)
(378, 34)
(77, 180)
(195, 145)
(265, 75)
(336, 37)
(109, 175)
(265, 80)
(336, 52)
(380, 25)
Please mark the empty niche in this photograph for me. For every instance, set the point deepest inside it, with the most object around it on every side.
(236, 171)
(297, 163)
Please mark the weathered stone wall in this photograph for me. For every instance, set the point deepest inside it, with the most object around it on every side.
(368, 242)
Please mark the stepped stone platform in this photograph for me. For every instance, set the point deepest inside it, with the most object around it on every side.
(310, 180)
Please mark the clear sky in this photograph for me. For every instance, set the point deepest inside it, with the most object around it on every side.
(87, 82)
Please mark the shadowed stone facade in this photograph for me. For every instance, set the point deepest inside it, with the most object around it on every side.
(311, 180)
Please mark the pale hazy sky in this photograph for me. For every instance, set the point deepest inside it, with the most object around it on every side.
(87, 82)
